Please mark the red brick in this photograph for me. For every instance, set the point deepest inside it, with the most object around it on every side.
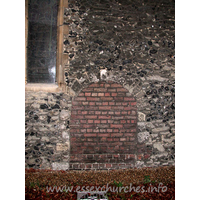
(113, 94)
(107, 94)
(74, 121)
(131, 138)
(112, 89)
(74, 112)
(104, 117)
(97, 112)
(130, 117)
(104, 112)
(127, 108)
(117, 117)
(74, 130)
(79, 112)
(90, 108)
(118, 98)
(89, 130)
(116, 134)
(92, 103)
(87, 94)
(117, 112)
(90, 121)
(105, 103)
(76, 103)
(87, 89)
(123, 121)
(108, 165)
(110, 121)
(101, 94)
(103, 139)
(96, 130)
(103, 121)
(121, 90)
(122, 139)
(77, 117)
(94, 94)
(92, 99)
(102, 130)
(83, 130)
(83, 121)
(100, 90)
(121, 94)
(80, 99)
(90, 134)
(129, 99)
(91, 112)
(97, 121)
(91, 116)
(117, 107)
(84, 112)
(111, 103)
(109, 130)
(78, 108)
(104, 107)
(106, 98)
(87, 125)
(133, 103)
(107, 85)
(103, 134)
(109, 139)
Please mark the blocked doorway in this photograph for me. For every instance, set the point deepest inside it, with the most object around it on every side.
(103, 128)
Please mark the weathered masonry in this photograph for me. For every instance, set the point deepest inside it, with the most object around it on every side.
(112, 103)
(103, 127)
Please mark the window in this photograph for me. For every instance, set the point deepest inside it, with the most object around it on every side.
(42, 41)
(44, 44)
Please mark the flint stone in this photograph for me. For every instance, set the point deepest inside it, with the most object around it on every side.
(156, 78)
(141, 117)
(64, 114)
(159, 146)
(143, 136)
(65, 135)
(160, 129)
(62, 147)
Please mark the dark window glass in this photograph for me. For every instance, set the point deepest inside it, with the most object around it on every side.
(42, 41)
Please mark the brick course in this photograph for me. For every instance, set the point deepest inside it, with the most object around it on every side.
(105, 124)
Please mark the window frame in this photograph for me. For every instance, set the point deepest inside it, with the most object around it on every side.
(59, 85)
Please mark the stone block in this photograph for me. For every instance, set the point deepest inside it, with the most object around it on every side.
(159, 146)
(65, 135)
(143, 136)
(141, 117)
(64, 114)
(60, 166)
(62, 146)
